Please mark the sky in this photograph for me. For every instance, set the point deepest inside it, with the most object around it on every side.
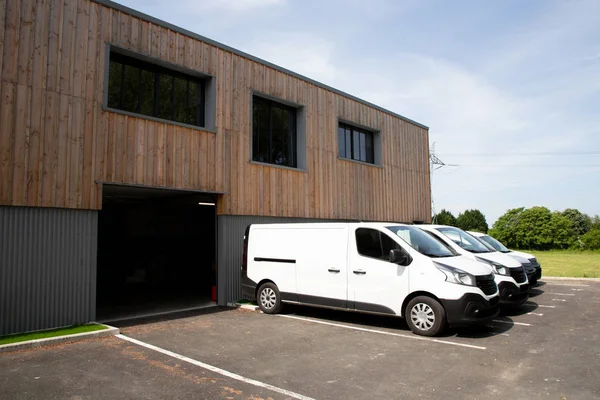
(510, 90)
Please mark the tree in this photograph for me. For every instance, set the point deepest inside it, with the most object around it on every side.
(445, 217)
(535, 228)
(472, 220)
(579, 221)
(506, 227)
(591, 240)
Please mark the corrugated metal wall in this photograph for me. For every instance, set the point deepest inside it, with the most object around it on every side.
(47, 268)
(230, 240)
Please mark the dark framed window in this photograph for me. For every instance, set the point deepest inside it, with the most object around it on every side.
(375, 244)
(148, 89)
(356, 143)
(274, 133)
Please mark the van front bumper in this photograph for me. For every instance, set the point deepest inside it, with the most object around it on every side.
(513, 295)
(471, 308)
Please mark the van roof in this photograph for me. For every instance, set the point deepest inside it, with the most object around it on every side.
(333, 223)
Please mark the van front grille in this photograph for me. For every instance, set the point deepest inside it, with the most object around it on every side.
(487, 284)
(518, 274)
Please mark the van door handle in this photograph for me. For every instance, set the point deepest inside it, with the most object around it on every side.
(359, 272)
(335, 271)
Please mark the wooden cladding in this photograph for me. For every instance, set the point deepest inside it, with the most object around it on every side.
(57, 141)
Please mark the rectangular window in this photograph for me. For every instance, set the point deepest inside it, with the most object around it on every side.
(273, 133)
(373, 243)
(148, 89)
(356, 144)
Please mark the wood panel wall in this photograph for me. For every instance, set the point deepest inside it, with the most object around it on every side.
(56, 141)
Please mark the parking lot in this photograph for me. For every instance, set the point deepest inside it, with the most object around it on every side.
(548, 349)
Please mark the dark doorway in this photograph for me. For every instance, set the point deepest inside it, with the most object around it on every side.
(156, 251)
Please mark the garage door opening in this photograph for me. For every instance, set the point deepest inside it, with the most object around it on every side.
(156, 252)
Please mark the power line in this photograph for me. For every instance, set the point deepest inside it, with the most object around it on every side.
(521, 165)
(485, 154)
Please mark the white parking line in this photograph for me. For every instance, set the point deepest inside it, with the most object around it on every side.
(511, 322)
(496, 332)
(537, 305)
(534, 313)
(384, 332)
(578, 290)
(216, 369)
(564, 294)
(567, 284)
(558, 300)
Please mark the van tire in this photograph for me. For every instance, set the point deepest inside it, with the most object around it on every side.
(425, 316)
(269, 298)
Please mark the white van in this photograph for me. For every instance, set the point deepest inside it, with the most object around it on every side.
(381, 268)
(510, 275)
(532, 263)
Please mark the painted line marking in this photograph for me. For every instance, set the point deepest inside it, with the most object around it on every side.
(537, 305)
(578, 290)
(558, 300)
(511, 322)
(564, 294)
(533, 313)
(216, 369)
(384, 332)
(567, 284)
(496, 332)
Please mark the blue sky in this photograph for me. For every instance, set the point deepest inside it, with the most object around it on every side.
(490, 79)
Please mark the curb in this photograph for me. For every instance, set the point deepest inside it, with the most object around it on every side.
(565, 278)
(248, 307)
(29, 344)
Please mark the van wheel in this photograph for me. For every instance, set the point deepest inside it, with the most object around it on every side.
(269, 299)
(425, 316)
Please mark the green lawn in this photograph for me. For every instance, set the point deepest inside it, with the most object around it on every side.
(569, 263)
(51, 333)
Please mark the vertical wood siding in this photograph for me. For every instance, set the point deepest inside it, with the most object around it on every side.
(56, 141)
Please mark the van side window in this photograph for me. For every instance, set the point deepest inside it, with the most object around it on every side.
(373, 243)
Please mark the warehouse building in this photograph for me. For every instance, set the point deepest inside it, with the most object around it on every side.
(134, 153)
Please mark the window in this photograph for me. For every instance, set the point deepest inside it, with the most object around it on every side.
(356, 144)
(375, 244)
(273, 133)
(143, 88)
(464, 240)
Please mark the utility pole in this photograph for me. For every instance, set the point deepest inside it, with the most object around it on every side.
(434, 164)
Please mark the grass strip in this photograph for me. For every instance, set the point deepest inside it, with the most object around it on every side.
(51, 333)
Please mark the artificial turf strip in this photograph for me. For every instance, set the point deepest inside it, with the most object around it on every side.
(51, 333)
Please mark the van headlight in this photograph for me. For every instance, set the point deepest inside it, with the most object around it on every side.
(455, 275)
(496, 267)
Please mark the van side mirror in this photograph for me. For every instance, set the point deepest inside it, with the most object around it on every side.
(400, 257)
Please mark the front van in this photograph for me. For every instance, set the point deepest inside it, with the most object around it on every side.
(379, 268)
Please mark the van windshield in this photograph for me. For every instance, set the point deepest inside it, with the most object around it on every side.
(464, 240)
(422, 242)
(495, 244)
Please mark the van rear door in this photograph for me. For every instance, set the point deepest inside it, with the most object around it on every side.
(321, 267)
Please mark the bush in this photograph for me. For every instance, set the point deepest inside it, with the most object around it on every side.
(591, 240)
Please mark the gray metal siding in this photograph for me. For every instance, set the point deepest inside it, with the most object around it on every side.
(230, 236)
(47, 268)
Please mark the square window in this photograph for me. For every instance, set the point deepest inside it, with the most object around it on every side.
(356, 143)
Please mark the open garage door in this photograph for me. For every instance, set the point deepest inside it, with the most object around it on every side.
(156, 252)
